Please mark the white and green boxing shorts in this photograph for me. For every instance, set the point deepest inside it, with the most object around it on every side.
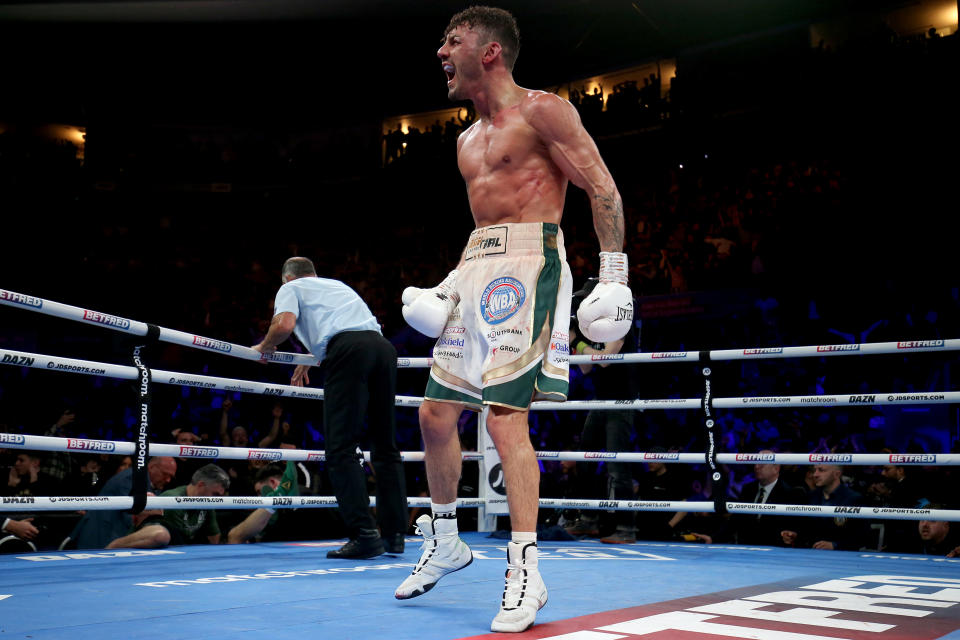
(507, 342)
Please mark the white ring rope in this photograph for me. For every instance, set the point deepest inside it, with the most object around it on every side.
(116, 447)
(119, 503)
(134, 327)
(88, 367)
(38, 361)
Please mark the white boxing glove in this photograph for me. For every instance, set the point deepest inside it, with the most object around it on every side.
(427, 310)
(607, 313)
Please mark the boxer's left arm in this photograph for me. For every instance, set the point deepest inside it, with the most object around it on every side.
(280, 329)
(606, 314)
(575, 153)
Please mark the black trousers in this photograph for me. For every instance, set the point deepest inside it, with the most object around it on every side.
(611, 430)
(361, 380)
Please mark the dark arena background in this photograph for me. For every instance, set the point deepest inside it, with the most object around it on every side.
(789, 176)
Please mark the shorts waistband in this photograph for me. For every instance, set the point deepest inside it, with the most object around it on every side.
(512, 239)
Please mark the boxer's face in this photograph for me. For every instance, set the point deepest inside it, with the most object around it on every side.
(460, 56)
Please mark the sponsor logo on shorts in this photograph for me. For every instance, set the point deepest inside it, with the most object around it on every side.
(104, 319)
(501, 299)
(199, 452)
(560, 347)
(661, 456)
(19, 298)
(920, 344)
(450, 330)
(264, 455)
(912, 457)
(756, 457)
(827, 348)
(11, 438)
(91, 445)
(489, 242)
(450, 342)
(755, 352)
(830, 457)
(496, 333)
(216, 345)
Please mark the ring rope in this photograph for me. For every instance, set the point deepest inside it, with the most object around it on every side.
(89, 367)
(134, 327)
(116, 447)
(119, 503)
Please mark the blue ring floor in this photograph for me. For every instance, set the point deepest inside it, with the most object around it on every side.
(596, 592)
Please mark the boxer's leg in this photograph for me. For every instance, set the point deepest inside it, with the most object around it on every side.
(442, 551)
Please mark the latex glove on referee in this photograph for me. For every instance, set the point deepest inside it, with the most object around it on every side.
(427, 310)
(607, 313)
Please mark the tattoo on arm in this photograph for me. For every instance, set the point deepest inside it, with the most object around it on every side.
(608, 220)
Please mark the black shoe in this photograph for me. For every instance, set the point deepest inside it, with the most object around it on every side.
(393, 543)
(366, 545)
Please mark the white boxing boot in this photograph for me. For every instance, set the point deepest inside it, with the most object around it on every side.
(523, 593)
(442, 552)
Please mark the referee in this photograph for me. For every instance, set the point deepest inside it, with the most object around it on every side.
(360, 368)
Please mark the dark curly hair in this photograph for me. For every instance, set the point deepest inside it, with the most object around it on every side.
(498, 25)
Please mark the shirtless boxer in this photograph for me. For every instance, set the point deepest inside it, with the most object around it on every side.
(502, 316)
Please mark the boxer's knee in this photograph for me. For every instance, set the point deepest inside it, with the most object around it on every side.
(438, 420)
(510, 431)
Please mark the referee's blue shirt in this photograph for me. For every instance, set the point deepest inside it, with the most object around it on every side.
(324, 308)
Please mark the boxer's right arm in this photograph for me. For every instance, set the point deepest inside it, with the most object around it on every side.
(427, 310)
(428, 314)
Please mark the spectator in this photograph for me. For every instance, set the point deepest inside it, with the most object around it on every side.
(158, 529)
(274, 480)
(770, 488)
(825, 533)
(610, 430)
(97, 529)
(937, 538)
(26, 479)
(22, 529)
(59, 465)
